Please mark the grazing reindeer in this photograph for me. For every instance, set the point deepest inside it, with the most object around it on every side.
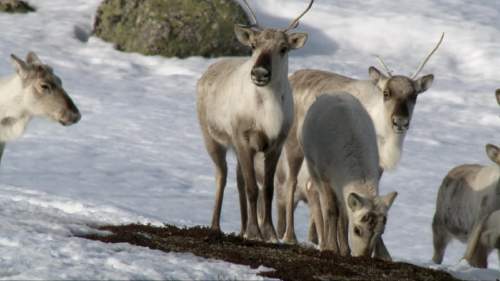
(342, 159)
(247, 104)
(388, 99)
(34, 90)
(468, 196)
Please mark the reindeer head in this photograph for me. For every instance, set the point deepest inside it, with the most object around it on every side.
(43, 93)
(367, 219)
(493, 153)
(270, 48)
(400, 92)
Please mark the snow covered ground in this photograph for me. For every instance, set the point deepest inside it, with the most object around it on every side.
(137, 155)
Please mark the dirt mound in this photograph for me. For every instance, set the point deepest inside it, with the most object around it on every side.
(290, 262)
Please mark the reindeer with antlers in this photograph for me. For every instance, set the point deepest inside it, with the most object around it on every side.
(389, 99)
(247, 104)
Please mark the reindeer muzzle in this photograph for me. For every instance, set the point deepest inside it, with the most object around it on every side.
(261, 71)
(70, 115)
(261, 76)
(69, 118)
(400, 124)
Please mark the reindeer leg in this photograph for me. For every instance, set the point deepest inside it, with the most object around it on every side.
(271, 161)
(312, 234)
(380, 172)
(2, 148)
(243, 199)
(281, 196)
(440, 239)
(330, 217)
(294, 163)
(281, 212)
(477, 253)
(218, 154)
(316, 227)
(343, 232)
(246, 157)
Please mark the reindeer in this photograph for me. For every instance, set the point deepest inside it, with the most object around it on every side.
(247, 104)
(467, 198)
(34, 90)
(389, 100)
(342, 160)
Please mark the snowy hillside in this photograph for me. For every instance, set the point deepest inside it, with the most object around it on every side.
(137, 155)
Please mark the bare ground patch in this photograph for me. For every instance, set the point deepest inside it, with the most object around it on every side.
(289, 261)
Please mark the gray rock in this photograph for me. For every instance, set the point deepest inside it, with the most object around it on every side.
(15, 6)
(179, 28)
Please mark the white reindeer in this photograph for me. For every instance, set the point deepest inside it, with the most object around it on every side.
(33, 90)
(247, 104)
(388, 99)
(467, 199)
(342, 159)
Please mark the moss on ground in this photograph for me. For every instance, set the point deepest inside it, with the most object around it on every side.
(289, 262)
(169, 28)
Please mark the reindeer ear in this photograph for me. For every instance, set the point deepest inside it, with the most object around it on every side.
(355, 202)
(389, 199)
(497, 94)
(32, 58)
(493, 153)
(246, 35)
(20, 65)
(424, 83)
(375, 75)
(297, 40)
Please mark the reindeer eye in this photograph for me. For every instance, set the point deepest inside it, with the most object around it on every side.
(253, 46)
(283, 50)
(387, 94)
(357, 231)
(45, 87)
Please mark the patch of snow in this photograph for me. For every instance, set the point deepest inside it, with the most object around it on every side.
(138, 156)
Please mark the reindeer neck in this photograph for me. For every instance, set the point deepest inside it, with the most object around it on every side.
(390, 144)
(11, 96)
(486, 177)
(13, 117)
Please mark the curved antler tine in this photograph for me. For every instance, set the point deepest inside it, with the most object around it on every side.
(252, 14)
(419, 69)
(387, 69)
(295, 22)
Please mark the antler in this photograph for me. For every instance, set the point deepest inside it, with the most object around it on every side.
(387, 69)
(295, 22)
(252, 14)
(428, 57)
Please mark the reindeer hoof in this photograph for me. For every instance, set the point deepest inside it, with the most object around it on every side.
(269, 233)
(290, 239)
(253, 235)
(215, 228)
